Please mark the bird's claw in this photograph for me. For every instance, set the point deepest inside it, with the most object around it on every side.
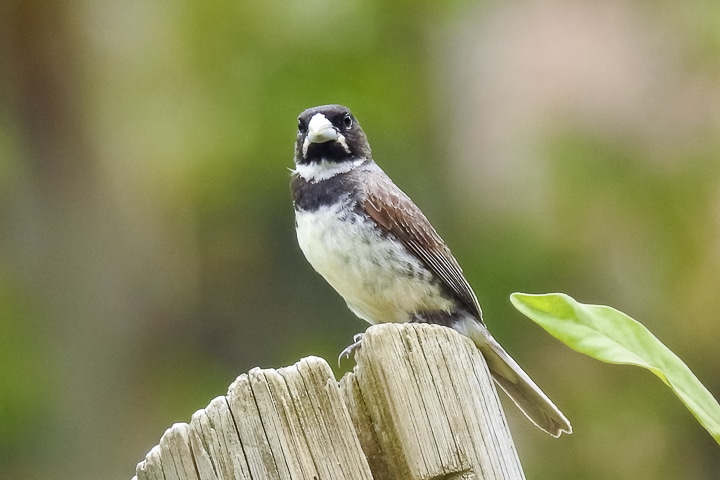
(352, 348)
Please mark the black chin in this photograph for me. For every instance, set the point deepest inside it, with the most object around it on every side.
(328, 151)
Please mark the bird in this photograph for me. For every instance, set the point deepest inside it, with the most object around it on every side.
(377, 249)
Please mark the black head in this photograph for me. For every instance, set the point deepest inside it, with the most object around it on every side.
(330, 133)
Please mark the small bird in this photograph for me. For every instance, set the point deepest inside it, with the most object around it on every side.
(376, 248)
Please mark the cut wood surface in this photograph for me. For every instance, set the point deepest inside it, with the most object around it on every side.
(419, 405)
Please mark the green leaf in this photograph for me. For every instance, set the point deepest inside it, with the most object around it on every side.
(610, 336)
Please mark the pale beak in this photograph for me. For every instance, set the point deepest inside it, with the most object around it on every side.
(320, 130)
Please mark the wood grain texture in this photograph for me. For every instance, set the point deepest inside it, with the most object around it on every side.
(422, 395)
(289, 423)
(419, 405)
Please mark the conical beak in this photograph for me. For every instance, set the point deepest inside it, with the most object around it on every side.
(320, 130)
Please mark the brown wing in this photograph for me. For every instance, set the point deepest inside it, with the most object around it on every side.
(396, 213)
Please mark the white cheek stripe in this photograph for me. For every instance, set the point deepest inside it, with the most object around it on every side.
(340, 139)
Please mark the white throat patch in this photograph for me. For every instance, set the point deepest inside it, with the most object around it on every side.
(316, 172)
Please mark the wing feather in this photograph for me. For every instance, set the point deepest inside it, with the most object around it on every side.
(397, 214)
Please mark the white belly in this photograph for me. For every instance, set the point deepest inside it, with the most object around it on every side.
(379, 280)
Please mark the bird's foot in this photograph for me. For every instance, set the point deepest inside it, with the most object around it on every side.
(352, 348)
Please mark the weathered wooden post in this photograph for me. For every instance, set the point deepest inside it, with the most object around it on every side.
(419, 405)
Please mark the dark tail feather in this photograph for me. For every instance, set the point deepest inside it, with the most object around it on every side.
(516, 383)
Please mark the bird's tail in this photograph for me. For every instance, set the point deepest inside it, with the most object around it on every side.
(515, 382)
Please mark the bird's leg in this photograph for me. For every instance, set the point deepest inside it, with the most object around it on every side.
(352, 348)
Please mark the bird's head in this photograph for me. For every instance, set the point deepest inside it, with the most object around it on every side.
(329, 133)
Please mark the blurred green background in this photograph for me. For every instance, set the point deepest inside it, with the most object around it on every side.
(147, 249)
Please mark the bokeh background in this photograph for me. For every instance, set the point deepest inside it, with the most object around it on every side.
(147, 250)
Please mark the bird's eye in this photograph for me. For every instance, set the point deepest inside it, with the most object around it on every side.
(347, 121)
(301, 126)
